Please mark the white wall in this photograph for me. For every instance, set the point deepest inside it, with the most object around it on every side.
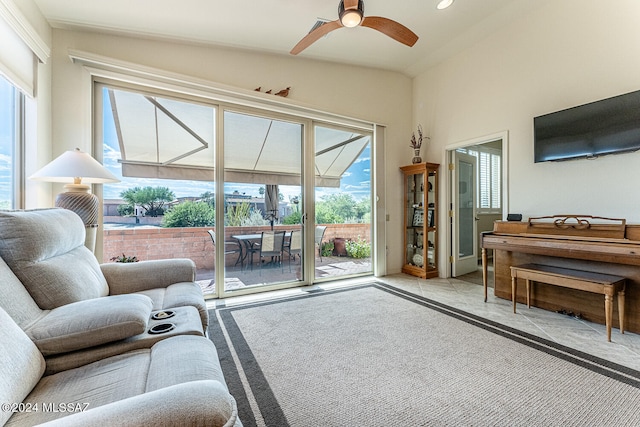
(378, 96)
(564, 54)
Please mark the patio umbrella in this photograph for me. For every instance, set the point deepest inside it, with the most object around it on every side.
(271, 202)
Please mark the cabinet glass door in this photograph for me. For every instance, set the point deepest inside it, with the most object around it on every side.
(416, 217)
(430, 220)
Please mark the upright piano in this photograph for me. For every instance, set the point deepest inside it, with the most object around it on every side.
(582, 242)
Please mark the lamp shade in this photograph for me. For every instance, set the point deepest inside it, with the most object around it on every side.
(75, 166)
(77, 169)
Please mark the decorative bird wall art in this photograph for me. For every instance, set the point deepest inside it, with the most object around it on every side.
(283, 93)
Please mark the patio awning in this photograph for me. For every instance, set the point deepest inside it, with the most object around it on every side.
(164, 138)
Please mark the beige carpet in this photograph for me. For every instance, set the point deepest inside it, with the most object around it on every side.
(377, 356)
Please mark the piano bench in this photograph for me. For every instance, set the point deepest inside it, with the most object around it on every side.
(604, 284)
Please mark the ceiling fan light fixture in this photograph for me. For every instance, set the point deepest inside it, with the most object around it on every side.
(443, 4)
(351, 17)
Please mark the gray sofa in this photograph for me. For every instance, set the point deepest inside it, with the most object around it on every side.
(175, 382)
(81, 332)
(45, 249)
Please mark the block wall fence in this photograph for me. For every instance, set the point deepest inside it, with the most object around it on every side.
(196, 244)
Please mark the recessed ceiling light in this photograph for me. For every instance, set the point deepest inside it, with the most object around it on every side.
(444, 4)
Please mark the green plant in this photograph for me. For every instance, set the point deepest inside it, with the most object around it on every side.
(190, 214)
(125, 210)
(358, 248)
(151, 199)
(237, 214)
(294, 218)
(327, 248)
(254, 218)
(124, 258)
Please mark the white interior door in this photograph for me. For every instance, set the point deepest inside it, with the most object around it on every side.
(465, 252)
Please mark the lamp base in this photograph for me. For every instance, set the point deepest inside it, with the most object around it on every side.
(85, 205)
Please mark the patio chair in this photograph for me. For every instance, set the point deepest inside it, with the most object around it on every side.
(272, 245)
(230, 247)
(320, 229)
(294, 247)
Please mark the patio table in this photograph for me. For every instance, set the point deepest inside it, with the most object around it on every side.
(247, 242)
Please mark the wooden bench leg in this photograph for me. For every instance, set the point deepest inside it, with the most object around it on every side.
(485, 278)
(514, 288)
(621, 310)
(528, 282)
(608, 314)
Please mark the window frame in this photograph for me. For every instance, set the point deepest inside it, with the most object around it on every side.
(495, 186)
(18, 137)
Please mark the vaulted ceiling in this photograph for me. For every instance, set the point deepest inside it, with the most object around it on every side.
(275, 26)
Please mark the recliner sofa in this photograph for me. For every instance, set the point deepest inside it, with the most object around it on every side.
(90, 325)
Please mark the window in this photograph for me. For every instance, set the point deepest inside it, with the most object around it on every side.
(489, 177)
(11, 139)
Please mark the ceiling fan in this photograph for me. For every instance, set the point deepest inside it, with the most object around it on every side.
(351, 14)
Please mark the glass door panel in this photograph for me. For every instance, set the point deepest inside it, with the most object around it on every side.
(465, 257)
(163, 151)
(262, 195)
(343, 195)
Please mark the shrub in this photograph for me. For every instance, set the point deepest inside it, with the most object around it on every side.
(254, 218)
(125, 210)
(124, 258)
(293, 219)
(358, 248)
(190, 214)
(327, 248)
(237, 214)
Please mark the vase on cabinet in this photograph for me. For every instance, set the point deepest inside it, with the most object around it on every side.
(416, 156)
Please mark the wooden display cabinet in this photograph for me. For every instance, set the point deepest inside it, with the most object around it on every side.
(420, 220)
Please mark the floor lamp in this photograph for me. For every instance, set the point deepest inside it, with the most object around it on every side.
(78, 169)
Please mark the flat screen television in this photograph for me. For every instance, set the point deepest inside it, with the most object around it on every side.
(607, 126)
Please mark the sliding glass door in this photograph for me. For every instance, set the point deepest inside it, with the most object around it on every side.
(343, 202)
(262, 201)
(258, 200)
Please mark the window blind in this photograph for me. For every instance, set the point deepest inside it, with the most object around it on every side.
(17, 61)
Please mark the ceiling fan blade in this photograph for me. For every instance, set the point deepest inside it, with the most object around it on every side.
(391, 28)
(350, 4)
(315, 35)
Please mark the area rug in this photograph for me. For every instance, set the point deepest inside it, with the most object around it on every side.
(374, 355)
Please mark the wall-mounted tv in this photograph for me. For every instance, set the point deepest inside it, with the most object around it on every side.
(608, 126)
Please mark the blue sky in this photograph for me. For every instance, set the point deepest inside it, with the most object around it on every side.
(355, 181)
(6, 141)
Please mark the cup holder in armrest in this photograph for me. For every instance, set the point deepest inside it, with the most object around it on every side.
(164, 314)
(162, 328)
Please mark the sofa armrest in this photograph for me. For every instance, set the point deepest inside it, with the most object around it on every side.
(91, 322)
(196, 403)
(125, 278)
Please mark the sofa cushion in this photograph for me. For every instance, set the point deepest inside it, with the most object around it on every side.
(175, 360)
(21, 364)
(45, 250)
(92, 322)
(198, 403)
(15, 299)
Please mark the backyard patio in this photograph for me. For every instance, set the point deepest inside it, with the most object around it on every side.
(238, 278)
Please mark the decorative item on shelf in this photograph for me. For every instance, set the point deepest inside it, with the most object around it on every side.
(72, 167)
(418, 218)
(283, 93)
(418, 260)
(416, 144)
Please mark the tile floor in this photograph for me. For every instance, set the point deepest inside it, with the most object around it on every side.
(578, 334)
